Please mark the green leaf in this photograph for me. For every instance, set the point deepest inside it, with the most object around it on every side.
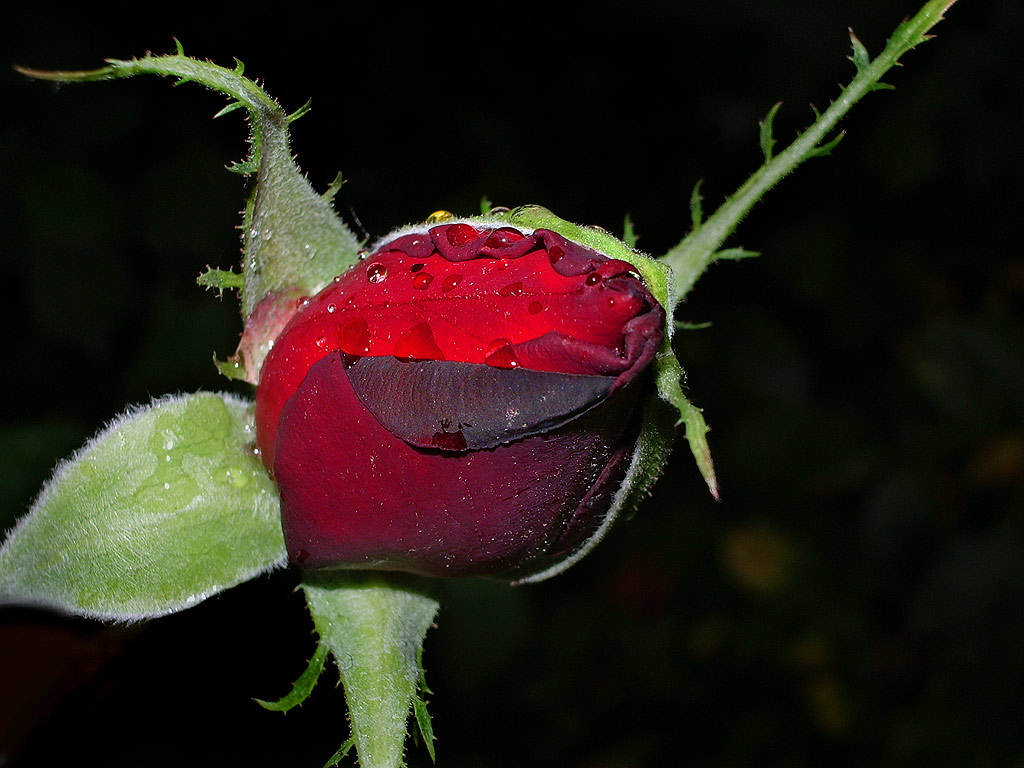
(735, 254)
(860, 58)
(220, 279)
(696, 205)
(167, 506)
(374, 624)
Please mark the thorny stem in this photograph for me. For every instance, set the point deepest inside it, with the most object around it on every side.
(700, 248)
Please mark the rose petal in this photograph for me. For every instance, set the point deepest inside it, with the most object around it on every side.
(459, 406)
(356, 496)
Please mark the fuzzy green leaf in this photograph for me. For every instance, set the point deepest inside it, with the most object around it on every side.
(165, 507)
(860, 58)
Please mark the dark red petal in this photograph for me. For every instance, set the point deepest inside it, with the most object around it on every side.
(427, 403)
(355, 496)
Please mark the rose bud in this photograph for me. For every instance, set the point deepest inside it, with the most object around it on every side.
(463, 401)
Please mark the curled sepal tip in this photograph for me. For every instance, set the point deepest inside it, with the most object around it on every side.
(293, 241)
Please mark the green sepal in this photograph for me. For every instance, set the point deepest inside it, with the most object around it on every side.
(167, 506)
(293, 241)
(374, 624)
(669, 375)
(303, 686)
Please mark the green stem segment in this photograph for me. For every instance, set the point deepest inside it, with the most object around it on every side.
(374, 625)
(701, 247)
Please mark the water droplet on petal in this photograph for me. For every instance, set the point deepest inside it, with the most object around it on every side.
(535, 308)
(460, 234)
(321, 342)
(504, 237)
(450, 282)
(512, 289)
(593, 278)
(418, 344)
(500, 355)
(332, 308)
(354, 337)
(503, 264)
(417, 267)
(449, 441)
(422, 281)
(555, 254)
(376, 272)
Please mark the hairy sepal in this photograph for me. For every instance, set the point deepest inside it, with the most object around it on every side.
(165, 507)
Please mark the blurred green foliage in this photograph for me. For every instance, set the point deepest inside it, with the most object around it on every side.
(855, 599)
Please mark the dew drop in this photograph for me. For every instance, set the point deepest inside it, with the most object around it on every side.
(236, 477)
(512, 289)
(504, 237)
(535, 308)
(321, 342)
(503, 264)
(416, 267)
(422, 281)
(450, 281)
(332, 308)
(499, 354)
(418, 344)
(555, 254)
(354, 337)
(438, 216)
(376, 272)
(593, 278)
(460, 234)
(449, 441)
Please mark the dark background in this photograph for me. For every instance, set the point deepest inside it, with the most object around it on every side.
(856, 598)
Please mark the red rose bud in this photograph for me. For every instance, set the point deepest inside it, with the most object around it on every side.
(461, 402)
